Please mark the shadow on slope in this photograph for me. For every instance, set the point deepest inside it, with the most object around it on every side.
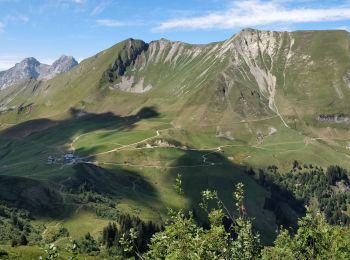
(78, 121)
(107, 182)
(30, 143)
(32, 195)
(24, 129)
(220, 174)
(35, 140)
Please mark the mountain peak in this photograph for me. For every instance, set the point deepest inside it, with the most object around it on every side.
(29, 60)
(63, 58)
(31, 68)
(63, 64)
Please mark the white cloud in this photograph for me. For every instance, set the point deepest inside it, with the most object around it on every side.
(12, 19)
(23, 19)
(257, 13)
(16, 18)
(78, 1)
(100, 8)
(109, 23)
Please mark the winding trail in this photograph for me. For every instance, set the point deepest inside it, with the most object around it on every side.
(128, 145)
(155, 166)
(158, 132)
(205, 161)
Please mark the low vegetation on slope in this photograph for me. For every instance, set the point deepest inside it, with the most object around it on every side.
(229, 235)
(108, 139)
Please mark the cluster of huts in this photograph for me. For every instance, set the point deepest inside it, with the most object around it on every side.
(68, 158)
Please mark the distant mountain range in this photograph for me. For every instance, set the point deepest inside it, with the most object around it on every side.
(31, 68)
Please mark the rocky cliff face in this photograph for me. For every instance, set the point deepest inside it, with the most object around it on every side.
(63, 64)
(30, 68)
(248, 58)
(254, 73)
(254, 58)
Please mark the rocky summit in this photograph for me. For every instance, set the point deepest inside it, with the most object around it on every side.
(31, 68)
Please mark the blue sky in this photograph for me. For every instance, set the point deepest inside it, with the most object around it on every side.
(48, 29)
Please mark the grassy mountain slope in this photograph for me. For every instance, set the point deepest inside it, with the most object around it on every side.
(138, 114)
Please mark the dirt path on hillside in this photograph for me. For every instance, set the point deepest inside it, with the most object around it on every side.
(243, 121)
(205, 162)
(128, 145)
(154, 166)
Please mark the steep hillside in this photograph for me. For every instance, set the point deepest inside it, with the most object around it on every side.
(111, 134)
(251, 75)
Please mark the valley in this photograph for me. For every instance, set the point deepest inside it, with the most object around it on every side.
(135, 116)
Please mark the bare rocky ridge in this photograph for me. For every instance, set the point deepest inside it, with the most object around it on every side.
(63, 64)
(337, 118)
(30, 68)
(252, 71)
(250, 54)
(254, 54)
(254, 74)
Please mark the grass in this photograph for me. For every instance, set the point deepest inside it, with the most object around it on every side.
(110, 139)
(191, 102)
(82, 222)
(148, 203)
(23, 252)
(34, 252)
(146, 175)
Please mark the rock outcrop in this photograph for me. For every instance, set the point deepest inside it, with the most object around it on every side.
(337, 118)
(31, 68)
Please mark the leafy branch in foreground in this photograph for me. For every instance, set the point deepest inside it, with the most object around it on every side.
(184, 239)
(51, 251)
(314, 239)
(178, 184)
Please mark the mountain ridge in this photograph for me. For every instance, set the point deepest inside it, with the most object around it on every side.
(141, 113)
(31, 68)
(255, 61)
